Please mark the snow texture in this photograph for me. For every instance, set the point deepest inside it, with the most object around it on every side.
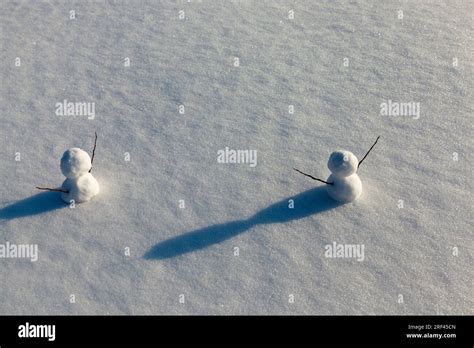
(173, 88)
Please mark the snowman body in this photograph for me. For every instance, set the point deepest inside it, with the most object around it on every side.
(81, 186)
(345, 185)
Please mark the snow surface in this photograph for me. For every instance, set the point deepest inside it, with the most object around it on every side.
(334, 63)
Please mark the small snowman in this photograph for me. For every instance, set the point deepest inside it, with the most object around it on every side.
(80, 186)
(343, 184)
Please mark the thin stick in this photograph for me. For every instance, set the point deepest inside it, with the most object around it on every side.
(50, 189)
(368, 151)
(93, 151)
(312, 177)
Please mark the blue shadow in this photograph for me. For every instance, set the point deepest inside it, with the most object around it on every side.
(38, 204)
(307, 203)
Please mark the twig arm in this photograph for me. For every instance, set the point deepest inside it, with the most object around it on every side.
(312, 177)
(363, 158)
(93, 151)
(50, 189)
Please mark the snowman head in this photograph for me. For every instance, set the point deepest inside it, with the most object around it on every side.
(75, 162)
(343, 163)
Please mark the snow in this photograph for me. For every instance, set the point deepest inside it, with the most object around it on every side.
(171, 223)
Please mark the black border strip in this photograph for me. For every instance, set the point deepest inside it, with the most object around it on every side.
(222, 330)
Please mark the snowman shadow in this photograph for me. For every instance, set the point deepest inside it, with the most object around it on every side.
(310, 202)
(38, 204)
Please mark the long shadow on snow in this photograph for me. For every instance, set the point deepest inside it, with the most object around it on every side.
(34, 205)
(307, 203)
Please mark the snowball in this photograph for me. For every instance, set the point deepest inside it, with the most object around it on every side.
(75, 162)
(344, 189)
(81, 189)
(343, 163)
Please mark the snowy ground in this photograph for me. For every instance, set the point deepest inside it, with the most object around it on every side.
(418, 258)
